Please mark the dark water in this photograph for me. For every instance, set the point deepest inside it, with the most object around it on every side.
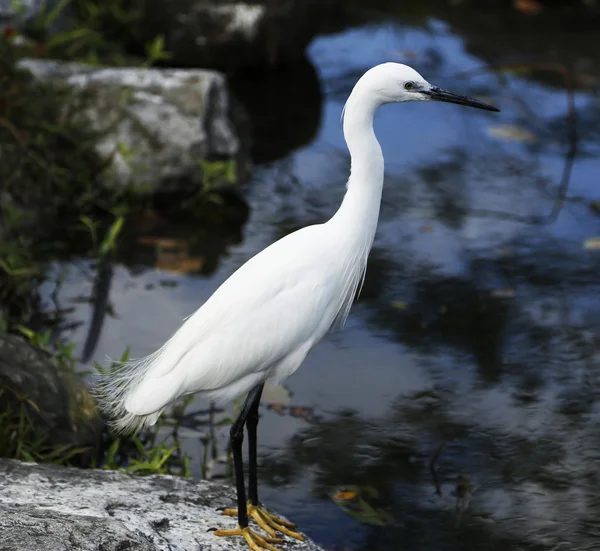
(478, 325)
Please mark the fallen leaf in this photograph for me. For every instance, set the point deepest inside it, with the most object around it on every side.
(595, 206)
(162, 242)
(364, 504)
(344, 495)
(179, 265)
(511, 133)
(277, 408)
(503, 251)
(592, 244)
(528, 7)
(587, 80)
(503, 292)
(427, 229)
(399, 305)
(275, 394)
(402, 55)
(146, 220)
(305, 413)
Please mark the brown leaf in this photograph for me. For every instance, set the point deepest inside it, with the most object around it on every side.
(277, 408)
(299, 412)
(504, 251)
(345, 495)
(170, 263)
(162, 242)
(511, 133)
(146, 220)
(592, 244)
(276, 394)
(503, 292)
(528, 7)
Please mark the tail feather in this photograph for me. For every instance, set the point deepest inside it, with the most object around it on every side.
(153, 393)
(114, 386)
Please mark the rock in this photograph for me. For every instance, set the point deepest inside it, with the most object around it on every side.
(231, 35)
(156, 126)
(67, 412)
(47, 507)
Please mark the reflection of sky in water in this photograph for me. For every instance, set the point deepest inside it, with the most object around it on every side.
(364, 367)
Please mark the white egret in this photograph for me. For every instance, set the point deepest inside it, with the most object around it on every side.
(262, 322)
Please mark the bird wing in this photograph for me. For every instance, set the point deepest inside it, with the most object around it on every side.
(280, 300)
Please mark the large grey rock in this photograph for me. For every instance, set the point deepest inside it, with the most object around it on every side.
(230, 35)
(156, 125)
(65, 413)
(46, 507)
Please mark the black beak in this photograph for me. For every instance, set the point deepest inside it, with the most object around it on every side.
(437, 94)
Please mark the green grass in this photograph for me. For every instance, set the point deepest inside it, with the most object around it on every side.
(53, 198)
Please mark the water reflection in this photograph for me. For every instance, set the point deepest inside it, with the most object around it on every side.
(477, 326)
(284, 109)
(519, 480)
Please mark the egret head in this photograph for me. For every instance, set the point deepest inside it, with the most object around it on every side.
(395, 83)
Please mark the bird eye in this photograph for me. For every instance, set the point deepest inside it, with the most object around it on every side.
(409, 85)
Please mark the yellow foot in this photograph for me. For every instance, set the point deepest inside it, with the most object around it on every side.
(256, 542)
(268, 522)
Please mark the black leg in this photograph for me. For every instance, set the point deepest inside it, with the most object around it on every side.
(251, 425)
(237, 439)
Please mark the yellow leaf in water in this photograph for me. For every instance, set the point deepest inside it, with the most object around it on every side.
(511, 133)
(279, 409)
(180, 265)
(503, 251)
(592, 244)
(344, 495)
(276, 395)
(399, 305)
(503, 292)
(528, 7)
(161, 242)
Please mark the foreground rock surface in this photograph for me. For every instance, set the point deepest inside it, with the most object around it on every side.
(47, 507)
(65, 413)
(156, 126)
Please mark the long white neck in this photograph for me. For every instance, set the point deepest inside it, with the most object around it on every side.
(359, 211)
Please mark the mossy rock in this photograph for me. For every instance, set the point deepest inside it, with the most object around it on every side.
(46, 410)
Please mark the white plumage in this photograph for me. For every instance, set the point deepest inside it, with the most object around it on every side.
(263, 321)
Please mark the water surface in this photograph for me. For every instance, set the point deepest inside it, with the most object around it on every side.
(477, 325)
